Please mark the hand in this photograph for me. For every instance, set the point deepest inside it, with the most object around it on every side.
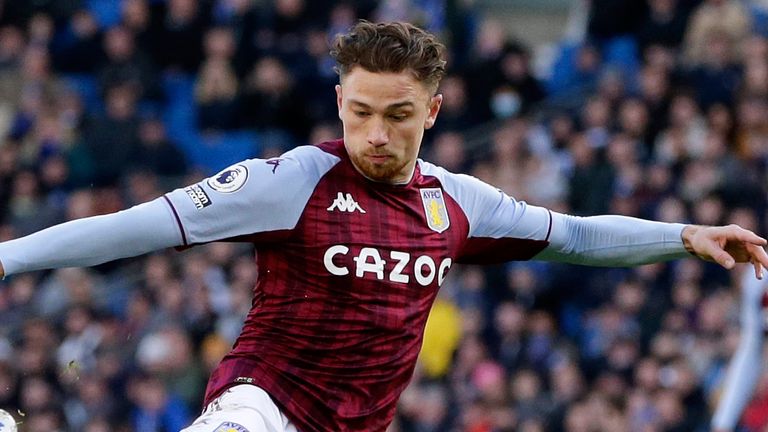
(726, 245)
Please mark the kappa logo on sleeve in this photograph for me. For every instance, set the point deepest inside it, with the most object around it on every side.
(275, 162)
(198, 196)
(229, 180)
(230, 427)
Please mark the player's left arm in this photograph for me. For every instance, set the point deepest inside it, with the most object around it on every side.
(626, 241)
(496, 220)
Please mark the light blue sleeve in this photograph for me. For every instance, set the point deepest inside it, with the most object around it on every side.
(595, 240)
(95, 240)
(612, 241)
(254, 196)
(746, 365)
(490, 212)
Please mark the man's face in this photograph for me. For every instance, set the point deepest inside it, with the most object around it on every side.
(384, 117)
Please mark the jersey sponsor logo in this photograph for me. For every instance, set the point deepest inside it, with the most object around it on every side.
(229, 180)
(230, 427)
(345, 203)
(434, 209)
(198, 196)
(424, 269)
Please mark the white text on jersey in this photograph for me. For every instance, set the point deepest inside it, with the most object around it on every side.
(369, 260)
(345, 204)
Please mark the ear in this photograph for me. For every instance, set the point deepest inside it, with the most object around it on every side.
(434, 108)
(338, 98)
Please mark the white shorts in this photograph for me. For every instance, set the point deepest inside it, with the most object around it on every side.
(242, 408)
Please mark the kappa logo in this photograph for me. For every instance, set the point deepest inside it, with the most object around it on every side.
(230, 427)
(198, 196)
(345, 204)
(275, 162)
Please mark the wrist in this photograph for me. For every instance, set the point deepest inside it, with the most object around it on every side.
(686, 235)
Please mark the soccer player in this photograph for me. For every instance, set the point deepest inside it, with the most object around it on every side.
(746, 365)
(354, 238)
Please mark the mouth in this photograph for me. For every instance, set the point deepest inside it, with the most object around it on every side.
(378, 159)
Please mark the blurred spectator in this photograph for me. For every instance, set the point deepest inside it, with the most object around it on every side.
(110, 142)
(449, 151)
(156, 153)
(136, 17)
(715, 77)
(456, 114)
(726, 18)
(27, 211)
(216, 95)
(664, 24)
(156, 410)
(516, 80)
(12, 43)
(611, 18)
(179, 41)
(78, 50)
(591, 183)
(126, 66)
(271, 104)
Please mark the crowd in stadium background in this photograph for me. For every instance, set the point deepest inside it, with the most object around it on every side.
(660, 111)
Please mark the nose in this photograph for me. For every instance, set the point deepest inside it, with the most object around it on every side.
(377, 134)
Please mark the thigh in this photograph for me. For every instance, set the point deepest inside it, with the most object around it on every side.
(242, 408)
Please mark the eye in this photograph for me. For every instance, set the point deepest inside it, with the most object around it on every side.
(398, 117)
(362, 113)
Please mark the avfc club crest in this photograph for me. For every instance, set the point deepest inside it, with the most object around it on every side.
(229, 180)
(230, 427)
(434, 209)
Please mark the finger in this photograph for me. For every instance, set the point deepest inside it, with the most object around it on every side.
(757, 267)
(723, 258)
(745, 235)
(757, 253)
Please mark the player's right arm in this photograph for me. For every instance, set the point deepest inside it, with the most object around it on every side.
(250, 197)
(745, 367)
(95, 240)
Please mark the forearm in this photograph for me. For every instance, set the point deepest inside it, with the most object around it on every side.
(90, 241)
(612, 241)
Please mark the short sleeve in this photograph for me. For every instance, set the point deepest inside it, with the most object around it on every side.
(250, 197)
(501, 228)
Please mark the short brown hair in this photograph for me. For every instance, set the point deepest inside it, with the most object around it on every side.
(390, 47)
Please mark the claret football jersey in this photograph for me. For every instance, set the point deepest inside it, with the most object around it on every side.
(348, 270)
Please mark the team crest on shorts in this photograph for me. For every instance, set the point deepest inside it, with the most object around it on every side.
(230, 427)
(434, 209)
(229, 180)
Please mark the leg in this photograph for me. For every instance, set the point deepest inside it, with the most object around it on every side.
(242, 408)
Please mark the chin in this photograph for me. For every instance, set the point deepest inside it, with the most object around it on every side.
(378, 173)
(382, 173)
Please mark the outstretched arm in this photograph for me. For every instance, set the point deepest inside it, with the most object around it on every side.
(627, 241)
(252, 196)
(95, 240)
(746, 364)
